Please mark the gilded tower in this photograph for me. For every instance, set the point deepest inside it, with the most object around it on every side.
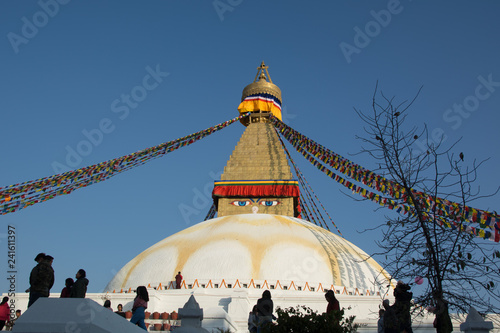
(257, 177)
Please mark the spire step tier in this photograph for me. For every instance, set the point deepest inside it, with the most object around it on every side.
(258, 155)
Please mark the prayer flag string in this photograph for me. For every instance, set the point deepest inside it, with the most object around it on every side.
(445, 212)
(308, 189)
(18, 196)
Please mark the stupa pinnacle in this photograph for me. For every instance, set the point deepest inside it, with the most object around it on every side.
(261, 96)
(257, 177)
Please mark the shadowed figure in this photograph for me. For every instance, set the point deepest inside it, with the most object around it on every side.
(265, 310)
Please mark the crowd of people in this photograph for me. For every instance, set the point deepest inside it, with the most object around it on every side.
(262, 313)
(138, 308)
(42, 281)
(119, 309)
(392, 318)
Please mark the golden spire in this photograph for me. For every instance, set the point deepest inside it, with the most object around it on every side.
(257, 177)
(262, 75)
(264, 85)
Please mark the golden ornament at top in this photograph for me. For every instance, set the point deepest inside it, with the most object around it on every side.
(255, 101)
(262, 86)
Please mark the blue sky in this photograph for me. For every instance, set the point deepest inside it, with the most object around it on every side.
(66, 67)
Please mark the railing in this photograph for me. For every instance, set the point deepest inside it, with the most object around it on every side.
(259, 284)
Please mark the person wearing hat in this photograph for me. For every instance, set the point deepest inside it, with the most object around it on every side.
(41, 278)
(39, 257)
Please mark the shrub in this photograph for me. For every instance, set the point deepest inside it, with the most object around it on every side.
(303, 319)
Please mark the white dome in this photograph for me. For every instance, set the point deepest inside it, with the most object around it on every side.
(253, 247)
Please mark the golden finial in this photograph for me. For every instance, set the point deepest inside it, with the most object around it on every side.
(262, 75)
(263, 86)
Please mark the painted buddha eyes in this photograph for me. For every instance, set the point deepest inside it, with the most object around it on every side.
(243, 203)
(269, 203)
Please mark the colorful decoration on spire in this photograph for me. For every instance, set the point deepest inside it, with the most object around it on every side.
(452, 215)
(274, 188)
(262, 95)
(18, 196)
(256, 188)
(261, 102)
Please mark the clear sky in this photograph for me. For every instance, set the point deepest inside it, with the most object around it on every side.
(68, 66)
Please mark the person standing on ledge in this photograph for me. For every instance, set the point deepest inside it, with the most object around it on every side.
(67, 290)
(41, 278)
(178, 281)
(79, 288)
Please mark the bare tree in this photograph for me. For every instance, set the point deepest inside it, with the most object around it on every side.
(461, 269)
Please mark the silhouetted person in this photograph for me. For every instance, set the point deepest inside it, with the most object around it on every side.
(442, 323)
(39, 257)
(67, 290)
(265, 310)
(391, 323)
(333, 303)
(402, 306)
(178, 281)
(79, 288)
(41, 278)
(140, 305)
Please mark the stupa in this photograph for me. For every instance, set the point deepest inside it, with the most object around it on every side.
(257, 242)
